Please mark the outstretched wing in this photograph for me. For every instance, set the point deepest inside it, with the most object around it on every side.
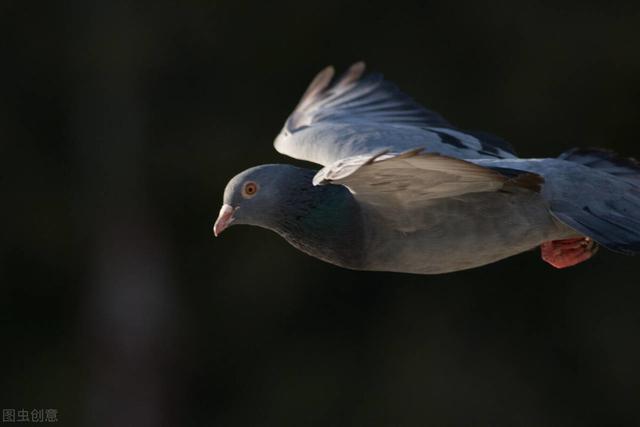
(360, 114)
(393, 183)
(355, 96)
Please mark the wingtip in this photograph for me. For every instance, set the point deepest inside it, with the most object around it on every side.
(319, 83)
(358, 67)
(329, 71)
(353, 74)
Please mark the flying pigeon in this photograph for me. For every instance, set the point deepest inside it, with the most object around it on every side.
(403, 190)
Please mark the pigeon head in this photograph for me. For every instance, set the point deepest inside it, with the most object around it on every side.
(257, 195)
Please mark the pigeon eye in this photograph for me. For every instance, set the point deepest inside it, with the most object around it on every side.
(249, 190)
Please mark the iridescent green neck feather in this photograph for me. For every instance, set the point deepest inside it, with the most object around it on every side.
(323, 221)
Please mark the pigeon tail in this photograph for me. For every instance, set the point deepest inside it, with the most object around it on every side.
(627, 169)
(609, 214)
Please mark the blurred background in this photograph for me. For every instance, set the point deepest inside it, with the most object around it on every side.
(120, 124)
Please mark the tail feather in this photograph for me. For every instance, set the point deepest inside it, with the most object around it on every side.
(611, 229)
(627, 169)
(607, 212)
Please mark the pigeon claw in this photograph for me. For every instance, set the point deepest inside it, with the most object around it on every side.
(568, 252)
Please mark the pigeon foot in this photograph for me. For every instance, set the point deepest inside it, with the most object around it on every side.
(568, 252)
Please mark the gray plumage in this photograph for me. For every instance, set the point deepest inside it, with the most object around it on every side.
(404, 190)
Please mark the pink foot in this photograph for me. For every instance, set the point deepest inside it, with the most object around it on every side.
(568, 252)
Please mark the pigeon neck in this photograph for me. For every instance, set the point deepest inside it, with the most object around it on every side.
(325, 222)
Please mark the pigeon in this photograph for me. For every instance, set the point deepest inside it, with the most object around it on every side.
(403, 190)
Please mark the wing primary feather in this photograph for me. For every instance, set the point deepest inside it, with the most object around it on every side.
(317, 86)
(352, 75)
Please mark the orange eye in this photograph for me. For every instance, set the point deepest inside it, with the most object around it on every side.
(249, 189)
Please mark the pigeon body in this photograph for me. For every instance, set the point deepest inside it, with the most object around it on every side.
(403, 190)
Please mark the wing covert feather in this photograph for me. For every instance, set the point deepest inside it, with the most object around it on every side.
(403, 181)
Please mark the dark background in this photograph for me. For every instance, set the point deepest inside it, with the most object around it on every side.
(120, 125)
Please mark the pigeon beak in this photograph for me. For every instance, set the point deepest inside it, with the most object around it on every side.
(225, 218)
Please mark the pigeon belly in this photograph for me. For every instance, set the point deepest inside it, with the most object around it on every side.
(460, 233)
